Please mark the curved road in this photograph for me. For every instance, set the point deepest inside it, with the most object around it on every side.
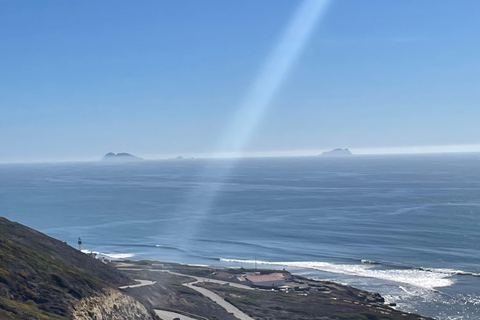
(213, 296)
(202, 279)
(219, 300)
(141, 284)
(167, 315)
(207, 293)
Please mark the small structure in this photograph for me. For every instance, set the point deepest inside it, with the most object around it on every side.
(79, 244)
(272, 280)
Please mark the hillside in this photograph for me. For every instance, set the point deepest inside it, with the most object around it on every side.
(43, 278)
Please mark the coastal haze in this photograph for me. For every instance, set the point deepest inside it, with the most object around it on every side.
(405, 226)
(160, 79)
(216, 133)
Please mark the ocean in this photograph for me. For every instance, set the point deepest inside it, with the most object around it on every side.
(406, 226)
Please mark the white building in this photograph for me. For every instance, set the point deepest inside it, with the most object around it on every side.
(272, 280)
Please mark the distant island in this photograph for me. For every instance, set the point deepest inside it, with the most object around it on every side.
(339, 152)
(120, 157)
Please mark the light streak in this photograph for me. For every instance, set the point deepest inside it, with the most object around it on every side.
(270, 78)
(253, 109)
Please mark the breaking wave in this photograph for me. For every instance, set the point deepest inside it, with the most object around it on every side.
(117, 255)
(113, 255)
(424, 278)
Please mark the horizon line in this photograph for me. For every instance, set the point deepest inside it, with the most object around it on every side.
(417, 150)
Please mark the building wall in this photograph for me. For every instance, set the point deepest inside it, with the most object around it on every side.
(269, 284)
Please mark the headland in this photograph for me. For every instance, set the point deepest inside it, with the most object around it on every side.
(44, 278)
(201, 292)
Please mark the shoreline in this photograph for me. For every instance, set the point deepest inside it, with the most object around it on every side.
(309, 298)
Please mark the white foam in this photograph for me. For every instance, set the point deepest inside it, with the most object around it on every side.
(450, 272)
(89, 251)
(111, 255)
(425, 279)
(117, 255)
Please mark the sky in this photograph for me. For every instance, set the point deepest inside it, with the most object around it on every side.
(160, 79)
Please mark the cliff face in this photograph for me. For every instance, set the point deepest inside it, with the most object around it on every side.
(111, 305)
(43, 278)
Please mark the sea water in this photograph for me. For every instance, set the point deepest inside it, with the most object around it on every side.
(405, 226)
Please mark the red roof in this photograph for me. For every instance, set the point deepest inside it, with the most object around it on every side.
(266, 277)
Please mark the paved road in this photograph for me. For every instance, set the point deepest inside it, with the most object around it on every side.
(207, 293)
(167, 315)
(220, 301)
(213, 296)
(201, 279)
(141, 284)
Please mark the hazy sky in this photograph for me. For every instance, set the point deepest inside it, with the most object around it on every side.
(161, 78)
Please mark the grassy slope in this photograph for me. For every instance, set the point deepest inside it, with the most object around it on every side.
(41, 278)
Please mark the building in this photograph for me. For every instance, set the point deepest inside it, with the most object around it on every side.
(272, 280)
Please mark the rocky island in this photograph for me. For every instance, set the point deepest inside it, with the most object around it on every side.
(339, 152)
(120, 157)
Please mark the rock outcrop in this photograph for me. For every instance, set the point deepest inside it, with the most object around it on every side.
(120, 157)
(339, 152)
(111, 305)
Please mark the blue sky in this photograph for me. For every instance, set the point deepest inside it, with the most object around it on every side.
(164, 78)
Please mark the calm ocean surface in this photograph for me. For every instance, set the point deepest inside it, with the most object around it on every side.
(405, 226)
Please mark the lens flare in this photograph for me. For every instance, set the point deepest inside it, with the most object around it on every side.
(253, 109)
(270, 78)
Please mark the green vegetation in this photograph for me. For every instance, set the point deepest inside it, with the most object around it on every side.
(43, 278)
(286, 297)
(237, 301)
(23, 269)
(300, 310)
(181, 289)
(26, 309)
